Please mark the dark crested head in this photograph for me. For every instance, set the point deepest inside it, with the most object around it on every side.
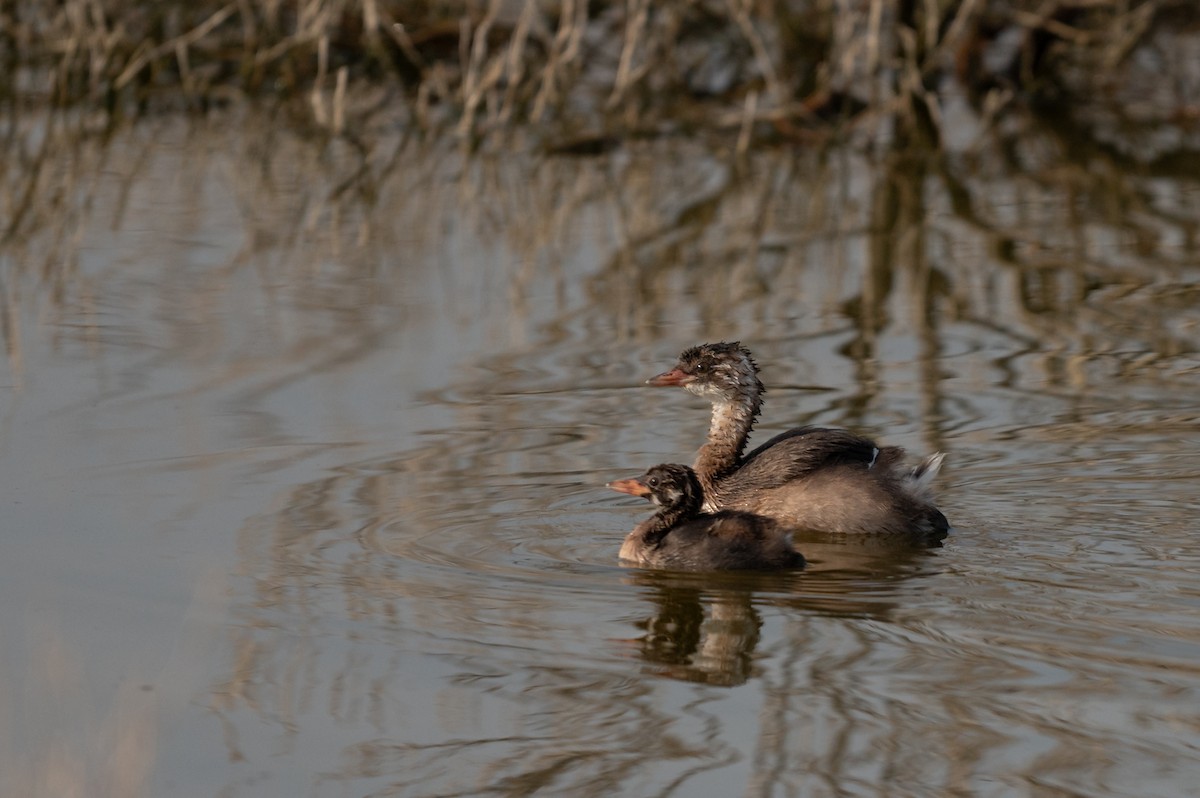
(668, 485)
(723, 370)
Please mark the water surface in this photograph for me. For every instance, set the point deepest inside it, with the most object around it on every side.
(303, 479)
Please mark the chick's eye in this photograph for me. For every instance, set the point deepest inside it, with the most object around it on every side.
(652, 482)
(701, 367)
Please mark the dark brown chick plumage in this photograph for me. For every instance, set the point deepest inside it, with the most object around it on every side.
(679, 536)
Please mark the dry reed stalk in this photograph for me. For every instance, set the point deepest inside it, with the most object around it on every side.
(514, 63)
(370, 19)
(1136, 26)
(851, 47)
(187, 83)
(930, 36)
(400, 36)
(874, 23)
(912, 93)
(312, 23)
(748, 110)
(741, 15)
(316, 96)
(185, 40)
(1044, 20)
(738, 119)
(956, 30)
(564, 52)
(478, 72)
(339, 101)
(637, 13)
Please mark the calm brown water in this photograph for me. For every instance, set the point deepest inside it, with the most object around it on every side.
(303, 483)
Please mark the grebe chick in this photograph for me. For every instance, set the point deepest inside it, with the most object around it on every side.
(681, 537)
(819, 479)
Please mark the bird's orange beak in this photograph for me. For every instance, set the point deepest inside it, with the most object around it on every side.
(633, 487)
(675, 376)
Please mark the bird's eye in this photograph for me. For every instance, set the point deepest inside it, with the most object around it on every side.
(652, 482)
(701, 367)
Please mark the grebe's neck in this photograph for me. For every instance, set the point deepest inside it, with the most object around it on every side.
(727, 435)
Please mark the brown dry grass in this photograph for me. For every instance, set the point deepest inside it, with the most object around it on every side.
(581, 72)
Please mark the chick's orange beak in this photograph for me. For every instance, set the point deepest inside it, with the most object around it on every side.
(675, 376)
(633, 487)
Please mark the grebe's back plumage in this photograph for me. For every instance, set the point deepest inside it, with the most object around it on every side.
(821, 479)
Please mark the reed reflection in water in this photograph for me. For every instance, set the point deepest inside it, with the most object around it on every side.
(360, 431)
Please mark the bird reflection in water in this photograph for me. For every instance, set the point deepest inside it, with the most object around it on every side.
(705, 627)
